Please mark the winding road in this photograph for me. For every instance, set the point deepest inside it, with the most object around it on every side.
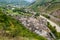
(52, 23)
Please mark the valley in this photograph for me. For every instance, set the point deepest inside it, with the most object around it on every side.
(30, 20)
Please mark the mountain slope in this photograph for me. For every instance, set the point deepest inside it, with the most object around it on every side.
(15, 2)
(12, 28)
(43, 4)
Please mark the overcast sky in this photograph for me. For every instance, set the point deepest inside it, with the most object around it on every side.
(30, 0)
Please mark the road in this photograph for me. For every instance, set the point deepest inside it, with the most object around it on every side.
(52, 23)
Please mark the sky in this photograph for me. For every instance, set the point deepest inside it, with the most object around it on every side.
(30, 0)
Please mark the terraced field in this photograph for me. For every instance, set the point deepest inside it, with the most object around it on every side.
(53, 7)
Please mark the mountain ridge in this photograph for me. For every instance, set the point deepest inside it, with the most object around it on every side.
(15, 2)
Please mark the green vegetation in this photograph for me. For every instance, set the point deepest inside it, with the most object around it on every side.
(36, 15)
(13, 28)
(46, 16)
(19, 10)
(53, 30)
(53, 7)
(46, 5)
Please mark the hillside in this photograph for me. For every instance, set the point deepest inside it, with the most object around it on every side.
(11, 29)
(15, 2)
(45, 5)
(29, 20)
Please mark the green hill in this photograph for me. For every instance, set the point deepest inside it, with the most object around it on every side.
(46, 5)
(13, 29)
(20, 3)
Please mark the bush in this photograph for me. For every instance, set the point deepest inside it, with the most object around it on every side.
(53, 30)
(47, 16)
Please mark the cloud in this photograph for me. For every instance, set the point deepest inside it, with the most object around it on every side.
(30, 0)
